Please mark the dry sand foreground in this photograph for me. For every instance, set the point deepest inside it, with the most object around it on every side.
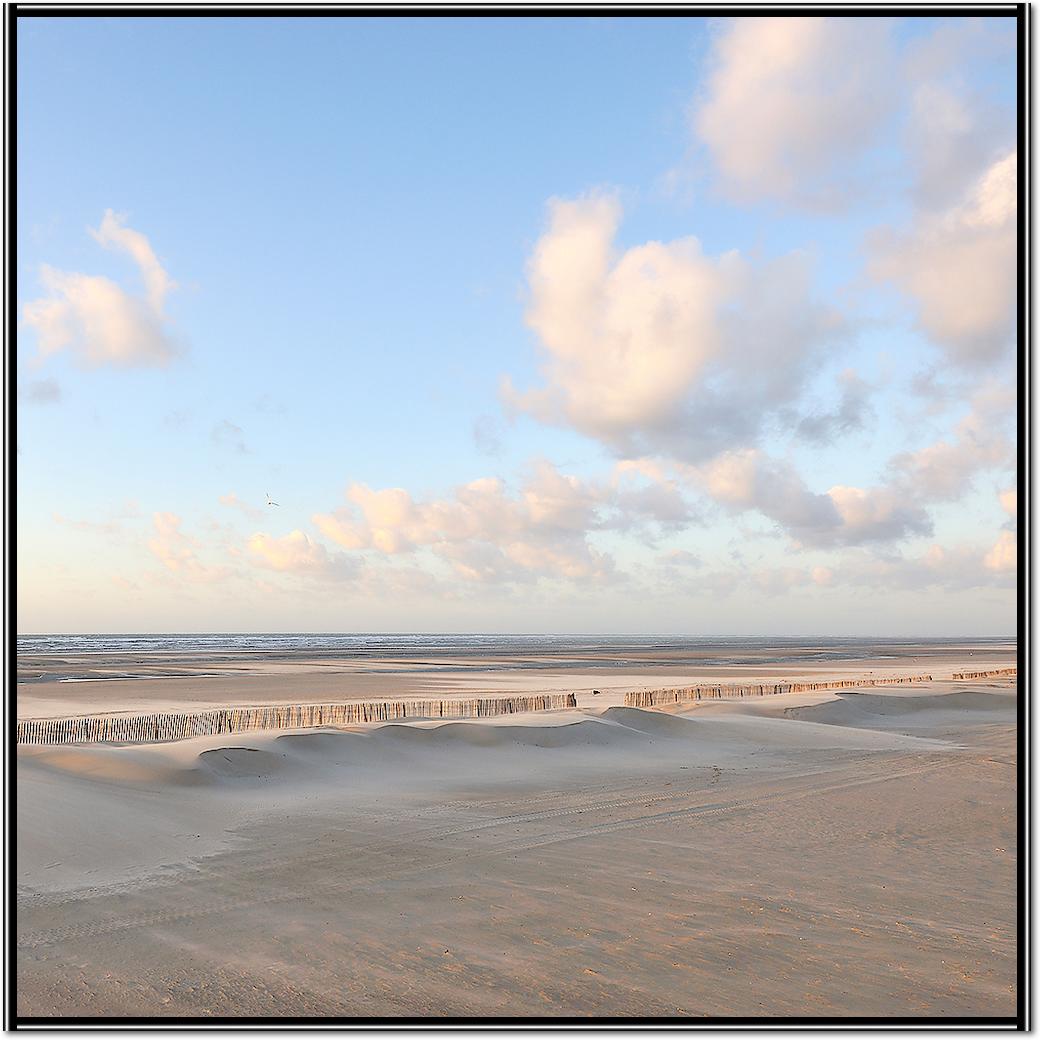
(806, 854)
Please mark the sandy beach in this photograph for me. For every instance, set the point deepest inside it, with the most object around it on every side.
(515, 521)
(823, 854)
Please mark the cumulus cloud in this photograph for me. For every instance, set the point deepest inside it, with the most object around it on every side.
(1003, 556)
(944, 471)
(297, 554)
(482, 531)
(114, 234)
(958, 267)
(843, 515)
(681, 558)
(627, 334)
(876, 514)
(955, 567)
(644, 496)
(871, 568)
(794, 109)
(792, 103)
(1009, 502)
(97, 319)
(953, 130)
(850, 415)
(177, 551)
(486, 532)
(660, 348)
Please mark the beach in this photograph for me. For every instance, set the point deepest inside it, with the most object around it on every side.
(827, 853)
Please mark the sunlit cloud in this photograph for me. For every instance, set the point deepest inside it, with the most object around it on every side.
(1003, 556)
(791, 104)
(843, 515)
(177, 551)
(297, 554)
(97, 319)
(482, 531)
(958, 268)
(661, 349)
(944, 471)
(486, 532)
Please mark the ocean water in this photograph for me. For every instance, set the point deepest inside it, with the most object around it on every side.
(725, 648)
(93, 658)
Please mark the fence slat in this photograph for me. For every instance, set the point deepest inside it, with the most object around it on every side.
(736, 691)
(163, 726)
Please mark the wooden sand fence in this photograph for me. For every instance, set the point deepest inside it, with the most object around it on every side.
(164, 726)
(985, 675)
(651, 698)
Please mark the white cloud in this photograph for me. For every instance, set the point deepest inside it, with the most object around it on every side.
(953, 130)
(822, 575)
(681, 558)
(844, 515)
(850, 414)
(295, 553)
(792, 103)
(958, 267)
(485, 532)
(659, 348)
(944, 471)
(482, 531)
(114, 234)
(1003, 557)
(96, 318)
(876, 514)
(177, 551)
(625, 335)
(955, 567)
(1009, 502)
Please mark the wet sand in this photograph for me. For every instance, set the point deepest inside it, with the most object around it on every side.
(194, 681)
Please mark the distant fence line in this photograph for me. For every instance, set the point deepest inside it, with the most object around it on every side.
(163, 726)
(651, 698)
(985, 675)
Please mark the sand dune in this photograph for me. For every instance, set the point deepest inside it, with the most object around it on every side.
(831, 854)
(937, 712)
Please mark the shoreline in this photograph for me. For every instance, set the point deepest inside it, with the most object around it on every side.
(305, 679)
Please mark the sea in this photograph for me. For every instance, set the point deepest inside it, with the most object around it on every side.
(705, 649)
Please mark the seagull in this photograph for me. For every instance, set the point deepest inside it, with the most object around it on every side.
(269, 501)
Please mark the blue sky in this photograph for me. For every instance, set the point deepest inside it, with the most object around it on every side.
(358, 261)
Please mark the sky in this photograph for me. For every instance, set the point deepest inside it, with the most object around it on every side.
(614, 325)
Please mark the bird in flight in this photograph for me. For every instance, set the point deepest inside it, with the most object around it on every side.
(269, 501)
